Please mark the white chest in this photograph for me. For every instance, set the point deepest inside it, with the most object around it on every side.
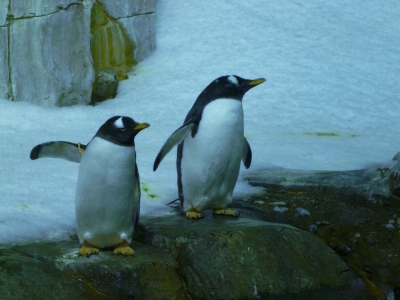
(105, 201)
(108, 162)
(211, 160)
(221, 119)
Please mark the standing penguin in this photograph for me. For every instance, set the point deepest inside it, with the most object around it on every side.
(107, 200)
(208, 159)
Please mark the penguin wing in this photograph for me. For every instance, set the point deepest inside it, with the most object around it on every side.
(177, 137)
(66, 150)
(136, 199)
(246, 154)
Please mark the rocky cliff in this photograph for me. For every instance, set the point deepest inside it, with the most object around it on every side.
(53, 52)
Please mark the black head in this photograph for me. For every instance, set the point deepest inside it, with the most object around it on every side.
(230, 87)
(120, 130)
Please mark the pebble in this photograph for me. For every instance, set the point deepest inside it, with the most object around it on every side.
(278, 203)
(370, 240)
(302, 212)
(322, 223)
(353, 240)
(391, 222)
(389, 226)
(259, 202)
(280, 209)
(344, 249)
(313, 228)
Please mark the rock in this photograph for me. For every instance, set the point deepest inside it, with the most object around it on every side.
(60, 65)
(176, 258)
(278, 203)
(3, 13)
(313, 228)
(389, 226)
(260, 202)
(138, 20)
(4, 82)
(280, 209)
(25, 277)
(141, 29)
(302, 212)
(105, 86)
(370, 240)
(36, 8)
(128, 8)
(343, 249)
(52, 43)
(323, 222)
(374, 183)
(353, 203)
(53, 270)
(222, 258)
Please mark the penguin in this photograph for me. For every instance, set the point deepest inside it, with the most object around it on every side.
(211, 144)
(107, 198)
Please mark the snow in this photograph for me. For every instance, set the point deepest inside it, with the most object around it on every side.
(330, 102)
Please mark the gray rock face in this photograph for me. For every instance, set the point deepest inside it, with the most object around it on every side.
(140, 29)
(138, 20)
(177, 258)
(4, 82)
(47, 57)
(122, 8)
(41, 51)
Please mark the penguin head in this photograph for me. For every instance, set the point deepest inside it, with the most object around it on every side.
(230, 86)
(120, 130)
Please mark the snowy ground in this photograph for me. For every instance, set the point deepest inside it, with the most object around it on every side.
(331, 101)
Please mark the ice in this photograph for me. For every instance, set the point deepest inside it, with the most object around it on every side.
(331, 101)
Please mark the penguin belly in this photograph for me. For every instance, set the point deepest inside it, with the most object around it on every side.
(211, 160)
(106, 197)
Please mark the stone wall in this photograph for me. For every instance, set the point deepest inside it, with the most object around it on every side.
(46, 53)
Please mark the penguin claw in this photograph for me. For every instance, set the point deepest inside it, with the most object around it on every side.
(87, 250)
(193, 215)
(226, 212)
(124, 249)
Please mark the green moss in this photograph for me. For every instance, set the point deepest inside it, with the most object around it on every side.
(322, 133)
(26, 207)
(146, 190)
(329, 134)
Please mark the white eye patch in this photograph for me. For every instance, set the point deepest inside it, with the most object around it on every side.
(233, 80)
(118, 123)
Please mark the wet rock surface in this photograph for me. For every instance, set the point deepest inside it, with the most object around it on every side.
(354, 214)
(214, 258)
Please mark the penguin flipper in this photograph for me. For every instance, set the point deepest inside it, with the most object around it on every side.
(176, 138)
(136, 199)
(60, 149)
(246, 154)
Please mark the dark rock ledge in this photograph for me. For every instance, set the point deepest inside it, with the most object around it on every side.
(176, 258)
(348, 249)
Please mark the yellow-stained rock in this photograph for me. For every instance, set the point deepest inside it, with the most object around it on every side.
(110, 45)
